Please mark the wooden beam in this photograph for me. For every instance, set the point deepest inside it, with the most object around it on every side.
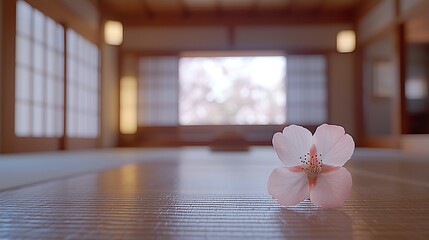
(147, 10)
(254, 8)
(240, 18)
(62, 14)
(184, 9)
(364, 7)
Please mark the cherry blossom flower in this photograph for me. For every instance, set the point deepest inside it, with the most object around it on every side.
(313, 166)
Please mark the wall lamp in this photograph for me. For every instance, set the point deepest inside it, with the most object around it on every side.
(113, 32)
(346, 41)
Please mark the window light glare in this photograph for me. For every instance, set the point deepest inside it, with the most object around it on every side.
(416, 89)
(128, 105)
(346, 41)
(113, 32)
(238, 90)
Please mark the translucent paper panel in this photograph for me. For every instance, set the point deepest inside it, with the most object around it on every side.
(247, 90)
(37, 120)
(38, 57)
(71, 123)
(23, 18)
(59, 65)
(39, 25)
(22, 118)
(38, 88)
(81, 49)
(39, 74)
(306, 90)
(23, 51)
(59, 124)
(71, 42)
(51, 58)
(59, 38)
(23, 85)
(50, 33)
(158, 91)
(59, 96)
(82, 87)
(50, 92)
(50, 121)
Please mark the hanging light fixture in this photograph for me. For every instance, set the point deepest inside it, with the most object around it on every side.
(346, 41)
(113, 32)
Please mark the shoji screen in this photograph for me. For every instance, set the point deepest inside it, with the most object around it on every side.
(39, 74)
(83, 87)
(306, 90)
(158, 91)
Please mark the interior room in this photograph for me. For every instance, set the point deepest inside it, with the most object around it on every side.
(186, 119)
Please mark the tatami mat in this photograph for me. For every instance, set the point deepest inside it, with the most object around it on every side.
(192, 193)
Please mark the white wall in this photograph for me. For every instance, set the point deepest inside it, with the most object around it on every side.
(342, 86)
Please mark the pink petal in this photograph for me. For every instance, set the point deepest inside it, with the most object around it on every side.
(326, 136)
(335, 147)
(332, 188)
(294, 142)
(289, 188)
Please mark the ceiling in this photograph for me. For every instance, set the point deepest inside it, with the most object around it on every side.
(141, 11)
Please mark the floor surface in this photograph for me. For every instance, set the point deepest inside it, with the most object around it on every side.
(193, 193)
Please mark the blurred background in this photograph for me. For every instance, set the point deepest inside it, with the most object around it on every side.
(78, 74)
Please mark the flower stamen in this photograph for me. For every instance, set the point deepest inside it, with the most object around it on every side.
(313, 165)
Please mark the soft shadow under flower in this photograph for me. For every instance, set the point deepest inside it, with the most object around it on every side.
(307, 221)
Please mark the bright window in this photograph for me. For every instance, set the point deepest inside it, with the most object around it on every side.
(83, 82)
(237, 90)
(228, 89)
(39, 74)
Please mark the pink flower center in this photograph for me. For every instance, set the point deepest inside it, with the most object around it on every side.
(312, 162)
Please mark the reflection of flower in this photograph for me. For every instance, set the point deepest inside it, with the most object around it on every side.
(305, 221)
(313, 166)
